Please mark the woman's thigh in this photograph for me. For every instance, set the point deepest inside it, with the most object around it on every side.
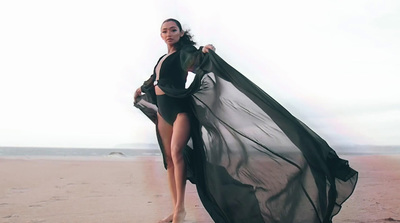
(181, 132)
(165, 131)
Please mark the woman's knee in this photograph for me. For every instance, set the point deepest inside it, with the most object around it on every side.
(176, 153)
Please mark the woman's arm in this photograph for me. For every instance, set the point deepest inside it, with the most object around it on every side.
(191, 57)
(147, 85)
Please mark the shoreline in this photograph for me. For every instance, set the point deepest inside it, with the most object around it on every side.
(154, 150)
(124, 157)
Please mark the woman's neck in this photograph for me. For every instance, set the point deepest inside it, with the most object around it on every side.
(171, 49)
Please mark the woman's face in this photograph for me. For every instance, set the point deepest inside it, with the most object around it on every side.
(170, 33)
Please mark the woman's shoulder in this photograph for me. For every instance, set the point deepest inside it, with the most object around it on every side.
(188, 48)
(189, 51)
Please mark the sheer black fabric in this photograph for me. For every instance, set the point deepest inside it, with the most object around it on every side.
(251, 160)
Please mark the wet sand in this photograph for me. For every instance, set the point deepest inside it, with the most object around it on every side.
(135, 190)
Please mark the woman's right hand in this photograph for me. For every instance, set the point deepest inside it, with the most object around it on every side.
(208, 47)
(138, 92)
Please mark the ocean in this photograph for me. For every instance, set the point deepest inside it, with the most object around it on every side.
(153, 150)
(48, 152)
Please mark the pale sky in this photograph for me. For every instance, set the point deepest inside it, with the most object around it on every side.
(68, 69)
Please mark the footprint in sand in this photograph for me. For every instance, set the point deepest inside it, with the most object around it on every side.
(390, 220)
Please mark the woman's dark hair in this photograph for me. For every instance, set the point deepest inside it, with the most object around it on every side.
(186, 39)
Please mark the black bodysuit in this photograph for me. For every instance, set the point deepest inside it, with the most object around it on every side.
(172, 75)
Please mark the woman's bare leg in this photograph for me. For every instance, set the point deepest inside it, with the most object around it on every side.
(180, 137)
(165, 131)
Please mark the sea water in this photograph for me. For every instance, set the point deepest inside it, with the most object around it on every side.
(153, 150)
(43, 152)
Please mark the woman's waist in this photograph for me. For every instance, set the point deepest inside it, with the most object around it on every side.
(166, 97)
(158, 90)
(163, 86)
(170, 82)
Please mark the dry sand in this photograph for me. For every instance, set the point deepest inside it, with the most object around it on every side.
(134, 190)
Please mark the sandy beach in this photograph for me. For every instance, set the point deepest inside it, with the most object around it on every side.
(134, 190)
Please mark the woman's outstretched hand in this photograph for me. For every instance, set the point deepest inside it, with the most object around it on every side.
(138, 92)
(208, 47)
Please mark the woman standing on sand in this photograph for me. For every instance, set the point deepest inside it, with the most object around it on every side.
(251, 160)
(174, 114)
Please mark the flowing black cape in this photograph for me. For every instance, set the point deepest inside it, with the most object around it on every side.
(251, 160)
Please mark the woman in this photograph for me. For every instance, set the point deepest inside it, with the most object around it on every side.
(174, 113)
(251, 160)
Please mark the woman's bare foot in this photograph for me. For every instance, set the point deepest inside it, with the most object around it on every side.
(179, 216)
(167, 219)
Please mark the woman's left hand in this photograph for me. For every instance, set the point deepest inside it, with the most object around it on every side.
(208, 47)
(138, 92)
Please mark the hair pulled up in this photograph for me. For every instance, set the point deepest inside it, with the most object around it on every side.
(186, 39)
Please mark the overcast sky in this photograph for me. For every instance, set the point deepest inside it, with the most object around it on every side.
(68, 69)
